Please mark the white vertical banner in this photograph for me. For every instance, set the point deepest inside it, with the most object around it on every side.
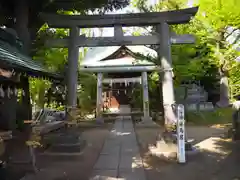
(181, 134)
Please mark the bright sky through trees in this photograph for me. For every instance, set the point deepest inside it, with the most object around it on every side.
(128, 9)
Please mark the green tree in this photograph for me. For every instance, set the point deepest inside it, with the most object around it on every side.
(56, 59)
(23, 16)
(219, 15)
(211, 50)
(53, 59)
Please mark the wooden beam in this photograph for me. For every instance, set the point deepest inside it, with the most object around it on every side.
(110, 20)
(121, 80)
(126, 40)
(119, 69)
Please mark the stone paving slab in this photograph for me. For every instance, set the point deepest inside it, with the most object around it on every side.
(130, 161)
(129, 144)
(111, 151)
(135, 174)
(104, 175)
(118, 127)
(127, 125)
(44, 174)
(129, 138)
(107, 162)
(112, 142)
(129, 150)
(120, 158)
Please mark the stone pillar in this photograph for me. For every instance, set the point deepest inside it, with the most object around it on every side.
(99, 98)
(72, 71)
(145, 96)
(164, 54)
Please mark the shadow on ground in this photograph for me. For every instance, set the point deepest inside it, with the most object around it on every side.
(218, 159)
(64, 167)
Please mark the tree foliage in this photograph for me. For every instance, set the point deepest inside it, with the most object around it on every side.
(23, 16)
(212, 51)
(56, 59)
(54, 6)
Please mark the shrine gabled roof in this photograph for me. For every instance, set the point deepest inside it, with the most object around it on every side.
(12, 58)
(98, 56)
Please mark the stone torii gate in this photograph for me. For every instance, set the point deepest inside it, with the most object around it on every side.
(161, 20)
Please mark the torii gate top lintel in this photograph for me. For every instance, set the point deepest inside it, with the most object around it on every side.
(163, 38)
(110, 20)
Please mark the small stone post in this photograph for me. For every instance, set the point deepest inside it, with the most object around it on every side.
(99, 98)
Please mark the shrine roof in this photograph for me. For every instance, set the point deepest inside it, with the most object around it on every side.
(11, 57)
(104, 56)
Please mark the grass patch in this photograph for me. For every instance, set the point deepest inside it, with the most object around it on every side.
(217, 116)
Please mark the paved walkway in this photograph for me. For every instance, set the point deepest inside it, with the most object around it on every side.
(120, 158)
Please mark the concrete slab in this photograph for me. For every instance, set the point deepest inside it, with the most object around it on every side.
(107, 162)
(104, 175)
(127, 136)
(129, 144)
(130, 137)
(128, 121)
(127, 126)
(108, 150)
(132, 151)
(130, 162)
(138, 174)
(44, 174)
(128, 130)
(112, 142)
(148, 124)
(120, 155)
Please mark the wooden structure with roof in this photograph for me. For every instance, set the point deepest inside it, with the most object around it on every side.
(124, 68)
(14, 65)
(163, 38)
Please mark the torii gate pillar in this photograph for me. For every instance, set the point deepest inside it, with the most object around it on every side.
(164, 54)
(72, 72)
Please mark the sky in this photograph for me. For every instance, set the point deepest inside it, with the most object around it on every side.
(129, 9)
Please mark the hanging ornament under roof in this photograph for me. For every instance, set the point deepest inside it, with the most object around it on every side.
(15, 91)
(2, 93)
(8, 92)
(11, 91)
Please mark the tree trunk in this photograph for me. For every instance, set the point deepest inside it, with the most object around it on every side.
(21, 27)
(223, 72)
(224, 92)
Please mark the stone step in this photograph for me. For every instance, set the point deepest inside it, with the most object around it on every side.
(61, 138)
(68, 141)
(66, 148)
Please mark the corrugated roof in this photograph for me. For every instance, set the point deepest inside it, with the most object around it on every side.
(97, 54)
(11, 56)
